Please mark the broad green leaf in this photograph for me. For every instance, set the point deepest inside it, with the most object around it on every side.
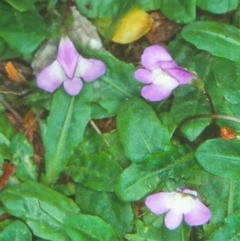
(99, 9)
(182, 12)
(220, 157)
(44, 210)
(140, 130)
(118, 83)
(189, 102)
(230, 111)
(219, 39)
(140, 179)
(89, 228)
(22, 5)
(16, 231)
(108, 207)
(220, 195)
(216, 6)
(227, 76)
(144, 232)
(96, 171)
(228, 231)
(65, 127)
(22, 158)
(22, 31)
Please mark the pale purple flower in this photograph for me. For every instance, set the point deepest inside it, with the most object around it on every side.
(69, 69)
(178, 205)
(161, 74)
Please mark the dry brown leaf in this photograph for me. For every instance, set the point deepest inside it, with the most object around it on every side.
(14, 74)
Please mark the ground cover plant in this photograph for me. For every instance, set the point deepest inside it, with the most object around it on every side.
(119, 120)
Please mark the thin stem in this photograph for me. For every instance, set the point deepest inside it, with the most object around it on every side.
(214, 116)
(94, 126)
(64, 17)
(230, 198)
(209, 99)
(32, 123)
(10, 108)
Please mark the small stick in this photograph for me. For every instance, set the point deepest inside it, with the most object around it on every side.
(94, 126)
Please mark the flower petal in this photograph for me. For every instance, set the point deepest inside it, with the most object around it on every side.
(173, 218)
(73, 87)
(144, 76)
(199, 214)
(90, 69)
(181, 75)
(168, 65)
(159, 203)
(153, 54)
(51, 77)
(67, 56)
(159, 91)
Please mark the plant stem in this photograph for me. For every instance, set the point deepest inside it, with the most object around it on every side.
(64, 17)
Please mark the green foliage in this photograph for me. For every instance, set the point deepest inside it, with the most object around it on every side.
(44, 210)
(118, 83)
(227, 75)
(220, 158)
(22, 158)
(93, 180)
(22, 5)
(21, 32)
(96, 171)
(138, 180)
(183, 11)
(219, 39)
(107, 206)
(67, 114)
(216, 6)
(89, 228)
(17, 230)
(140, 130)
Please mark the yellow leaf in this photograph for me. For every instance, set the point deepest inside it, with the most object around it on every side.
(132, 27)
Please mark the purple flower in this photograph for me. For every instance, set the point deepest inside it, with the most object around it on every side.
(183, 203)
(69, 68)
(161, 74)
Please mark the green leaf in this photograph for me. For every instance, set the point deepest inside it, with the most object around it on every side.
(89, 228)
(44, 210)
(140, 179)
(220, 195)
(182, 12)
(65, 127)
(144, 232)
(219, 39)
(140, 130)
(108, 207)
(118, 83)
(22, 5)
(220, 157)
(189, 102)
(16, 231)
(227, 76)
(216, 6)
(96, 171)
(24, 31)
(26, 168)
(228, 231)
